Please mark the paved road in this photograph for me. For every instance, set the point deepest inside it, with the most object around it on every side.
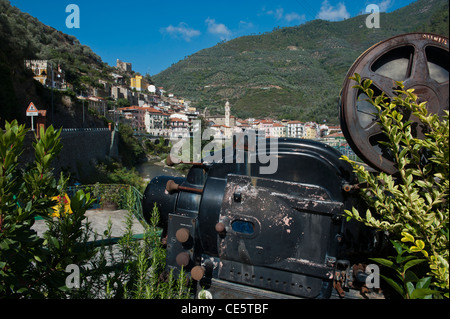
(99, 221)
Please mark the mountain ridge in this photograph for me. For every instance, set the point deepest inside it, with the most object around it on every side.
(294, 72)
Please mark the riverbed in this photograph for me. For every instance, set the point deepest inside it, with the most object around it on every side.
(152, 169)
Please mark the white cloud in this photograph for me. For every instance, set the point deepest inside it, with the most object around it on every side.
(288, 17)
(279, 13)
(384, 5)
(182, 30)
(246, 25)
(219, 29)
(331, 13)
(293, 16)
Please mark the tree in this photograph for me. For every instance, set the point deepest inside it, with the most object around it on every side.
(148, 78)
(122, 103)
(131, 151)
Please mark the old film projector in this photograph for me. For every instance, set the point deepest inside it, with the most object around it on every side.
(242, 234)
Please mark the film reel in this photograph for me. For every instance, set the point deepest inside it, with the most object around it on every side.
(421, 61)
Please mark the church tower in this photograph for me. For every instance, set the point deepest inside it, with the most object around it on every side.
(227, 114)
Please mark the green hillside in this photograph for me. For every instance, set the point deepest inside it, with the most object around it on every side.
(292, 73)
(295, 72)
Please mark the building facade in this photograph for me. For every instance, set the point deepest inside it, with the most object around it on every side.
(178, 128)
(311, 131)
(139, 84)
(277, 130)
(295, 129)
(156, 122)
(123, 66)
(43, 70)
(135, 116)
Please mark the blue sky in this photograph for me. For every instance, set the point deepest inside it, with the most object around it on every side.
(153, 35)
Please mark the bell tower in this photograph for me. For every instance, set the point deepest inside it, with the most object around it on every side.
(227, 114)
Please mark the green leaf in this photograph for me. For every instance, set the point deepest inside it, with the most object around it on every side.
(385, 262)
(410, 277)
(403, 152)
(423, 293)
(412, 263)
(410, 288)
(424, 282)
(398, 247)
(367, 83)
(4, 245)
(54, 241)
(394, 285)
(22, 290)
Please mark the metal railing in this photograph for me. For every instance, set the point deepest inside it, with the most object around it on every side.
(87, 129)
(123, 196)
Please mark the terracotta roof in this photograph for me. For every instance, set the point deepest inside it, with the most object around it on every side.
(294, 122)
(131, 108)
(153, 110)
(336, 135)
(95, 97)
(177, 120)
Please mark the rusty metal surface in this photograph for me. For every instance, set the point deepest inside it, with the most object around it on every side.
(420, 60)
(281, 250)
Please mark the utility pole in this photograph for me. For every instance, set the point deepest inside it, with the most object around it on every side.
(51, 67)
(83, 109)
(82, 97)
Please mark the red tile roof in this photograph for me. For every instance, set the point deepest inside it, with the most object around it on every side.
(177, 120)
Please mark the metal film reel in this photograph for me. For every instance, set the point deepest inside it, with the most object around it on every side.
(421, 61)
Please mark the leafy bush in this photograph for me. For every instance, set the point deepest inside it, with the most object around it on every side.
(33, 266)
(30, 266)
(412, 205)
(146, 268)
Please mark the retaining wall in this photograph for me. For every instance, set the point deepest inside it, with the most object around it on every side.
(82, 150)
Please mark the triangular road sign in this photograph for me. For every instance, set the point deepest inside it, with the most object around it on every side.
(32, 110)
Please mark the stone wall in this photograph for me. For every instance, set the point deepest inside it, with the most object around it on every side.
(82, 150)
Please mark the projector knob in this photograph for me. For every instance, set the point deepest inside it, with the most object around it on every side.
(183, 259)
(198, 272)
(182, 235)
(220, 228)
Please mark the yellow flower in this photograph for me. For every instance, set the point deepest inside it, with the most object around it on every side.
(63, 206)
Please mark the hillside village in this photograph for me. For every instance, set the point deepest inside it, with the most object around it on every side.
(158, 113)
